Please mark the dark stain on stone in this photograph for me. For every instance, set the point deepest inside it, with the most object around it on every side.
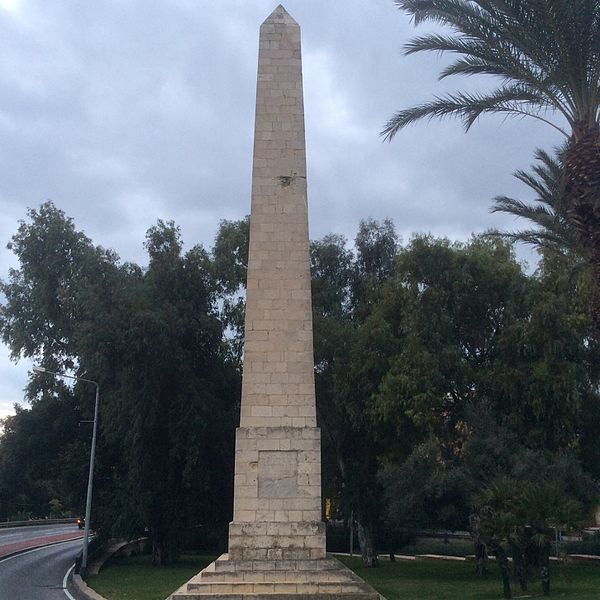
(287, 180)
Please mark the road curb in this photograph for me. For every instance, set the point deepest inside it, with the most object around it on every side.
(80, 587)
(83, 591)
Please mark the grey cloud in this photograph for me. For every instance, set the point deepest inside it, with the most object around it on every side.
(125, 112)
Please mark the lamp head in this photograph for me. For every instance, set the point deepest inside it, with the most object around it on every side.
(39, 370)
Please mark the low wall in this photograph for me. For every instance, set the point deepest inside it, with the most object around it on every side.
(34, 522)
(114, 548)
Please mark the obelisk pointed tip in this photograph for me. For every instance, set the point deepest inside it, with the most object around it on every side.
(280, 15)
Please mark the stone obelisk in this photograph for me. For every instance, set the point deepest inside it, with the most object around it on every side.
(277, 497)
(277, 538)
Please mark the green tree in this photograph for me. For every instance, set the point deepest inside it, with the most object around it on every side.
(349, 360)
(407, 365)
(546, 55)
(153, 339)
(230, 266)
(428, 490)
(174, 411)
(44, 296)
(524, 513)
(475, 327)
(43, 455)
(484, 365)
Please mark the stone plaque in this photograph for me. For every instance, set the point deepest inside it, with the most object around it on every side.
(277, 474)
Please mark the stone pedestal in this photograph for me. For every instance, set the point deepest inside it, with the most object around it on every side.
(277, 538)
(277, 505)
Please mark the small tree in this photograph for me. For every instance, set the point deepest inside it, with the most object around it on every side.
(523, 515)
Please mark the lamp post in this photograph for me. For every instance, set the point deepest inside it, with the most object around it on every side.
(88, 502)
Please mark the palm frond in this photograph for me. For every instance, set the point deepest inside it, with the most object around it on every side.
(548, 212)
(551, 47)
(541, 214)
(513, 100)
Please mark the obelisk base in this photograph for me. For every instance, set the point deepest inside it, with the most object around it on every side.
(277, 504)
(321, 579)
(277, 541)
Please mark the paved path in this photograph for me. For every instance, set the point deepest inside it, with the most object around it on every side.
(38, 574)
(17, 539)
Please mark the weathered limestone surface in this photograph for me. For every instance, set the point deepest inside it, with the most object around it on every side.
(278, 386)
(277, 538)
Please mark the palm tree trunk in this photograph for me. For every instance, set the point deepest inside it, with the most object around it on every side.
(520, 565)
(595, 308)
(481, 557)
(545, 569)
(583, 196)
(502, 561)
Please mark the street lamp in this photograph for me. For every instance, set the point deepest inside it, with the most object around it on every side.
(88, 502)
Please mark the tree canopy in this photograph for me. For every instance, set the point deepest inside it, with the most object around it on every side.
(443, 370)
(153, 339)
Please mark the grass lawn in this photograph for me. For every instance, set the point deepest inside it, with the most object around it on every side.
(445, 580)
(134, 579)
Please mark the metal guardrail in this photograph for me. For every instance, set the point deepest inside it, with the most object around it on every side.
(33, 522)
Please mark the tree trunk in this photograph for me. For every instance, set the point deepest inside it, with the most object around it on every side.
(164, 551)
(158, 553)
(545, 569)
(595, 303)
(583, 196)
(502, 561)
(520, 565)
(481, 557)
(366, 539)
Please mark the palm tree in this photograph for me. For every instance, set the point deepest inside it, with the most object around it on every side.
(546, 54)
(552, 230)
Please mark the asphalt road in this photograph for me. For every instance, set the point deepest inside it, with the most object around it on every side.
(13, 535)
(38, 574)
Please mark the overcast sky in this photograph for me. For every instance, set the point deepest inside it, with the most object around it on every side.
(126, 111)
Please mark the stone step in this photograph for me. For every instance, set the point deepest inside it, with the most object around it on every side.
(332, 575)
(279, 587)
(328, 579)
(222, 564)
(259, 596)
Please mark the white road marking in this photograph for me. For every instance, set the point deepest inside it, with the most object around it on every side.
(65, 590)
(37, 549)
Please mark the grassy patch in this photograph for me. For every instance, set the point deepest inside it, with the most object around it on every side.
(450, 580)
(134, 578)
